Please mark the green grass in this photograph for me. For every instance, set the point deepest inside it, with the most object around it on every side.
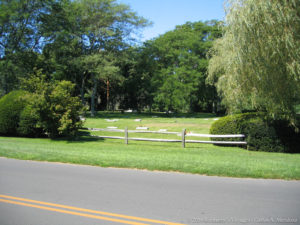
(199, 123)
(195, 158)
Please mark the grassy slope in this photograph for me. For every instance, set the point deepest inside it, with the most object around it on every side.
(196, 158)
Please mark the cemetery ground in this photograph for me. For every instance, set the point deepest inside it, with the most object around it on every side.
(206, 159)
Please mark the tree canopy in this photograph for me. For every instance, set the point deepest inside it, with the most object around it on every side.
(55, 35)
(180, 67)
(256, 64)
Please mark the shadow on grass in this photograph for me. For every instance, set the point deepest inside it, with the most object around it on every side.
(82, 137)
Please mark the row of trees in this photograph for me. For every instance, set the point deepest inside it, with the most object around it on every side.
(169, 72)
(90, 43)
(254, 61)
(79, 41)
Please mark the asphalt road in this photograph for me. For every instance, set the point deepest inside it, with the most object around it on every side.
(153, 197)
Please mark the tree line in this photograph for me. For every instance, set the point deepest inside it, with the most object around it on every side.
(249, 62)
(91, 43)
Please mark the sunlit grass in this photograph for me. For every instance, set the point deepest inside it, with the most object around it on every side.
(195, 158)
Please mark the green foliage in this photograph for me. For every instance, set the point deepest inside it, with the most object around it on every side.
(232, 124)
(180, 56)
(256, 64)
(44, 108)
(51, 107)
(262, 134)
(101, 66)
(11, 106)
(287, 134)
(19, 39)
(138, 68)
(29, 123)
(56, 35)
(64, 111)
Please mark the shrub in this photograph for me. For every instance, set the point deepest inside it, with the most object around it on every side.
(287, 135)
(232, 124)
(45, 108)
(262, 134)
(11, 106)
(29, 123)
(64, 110)
(51, 108)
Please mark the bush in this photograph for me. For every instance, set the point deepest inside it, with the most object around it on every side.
(11, 106)
(262, 134)
(51, 108)
(46, 108)
(287, 135)
(29, 123)
(232, 124)
(64, 111)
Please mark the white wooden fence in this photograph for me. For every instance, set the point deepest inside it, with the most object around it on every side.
(183, 134)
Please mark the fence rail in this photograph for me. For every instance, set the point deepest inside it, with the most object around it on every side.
(133, 131)
(183, 134)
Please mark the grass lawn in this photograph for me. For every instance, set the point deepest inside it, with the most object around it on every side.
(195, 158)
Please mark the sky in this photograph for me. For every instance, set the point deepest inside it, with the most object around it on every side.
(166, 14)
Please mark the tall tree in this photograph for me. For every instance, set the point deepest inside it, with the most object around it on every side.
(182, 64)
(138, 67)
(256, 64)
(107, 27)
(101, 67)
(20, 39)
(80, 32)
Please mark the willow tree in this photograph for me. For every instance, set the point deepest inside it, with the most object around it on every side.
(256, 64)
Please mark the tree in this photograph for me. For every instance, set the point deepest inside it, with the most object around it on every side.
(182, 65)
(138, 67)
(107, 27)
(101, 66)
(56, 36)
(20, 39)
(256, 64)
(87, 39)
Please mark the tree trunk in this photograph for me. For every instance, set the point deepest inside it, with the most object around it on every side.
(94, 91)
(107, 95)
(214, 107)
(82, 88)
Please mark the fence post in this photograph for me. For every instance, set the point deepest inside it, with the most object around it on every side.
(126, 135)
(183, 138)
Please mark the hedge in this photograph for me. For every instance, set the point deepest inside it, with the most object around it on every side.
(262, 133)
(11, 106)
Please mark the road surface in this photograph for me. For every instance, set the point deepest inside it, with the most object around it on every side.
(42, 193)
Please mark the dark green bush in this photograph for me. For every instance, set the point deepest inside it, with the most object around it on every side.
(262, 134)
(29, 123)
(287, 135)
(232, 124)
(11, 106)
(46, 108)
